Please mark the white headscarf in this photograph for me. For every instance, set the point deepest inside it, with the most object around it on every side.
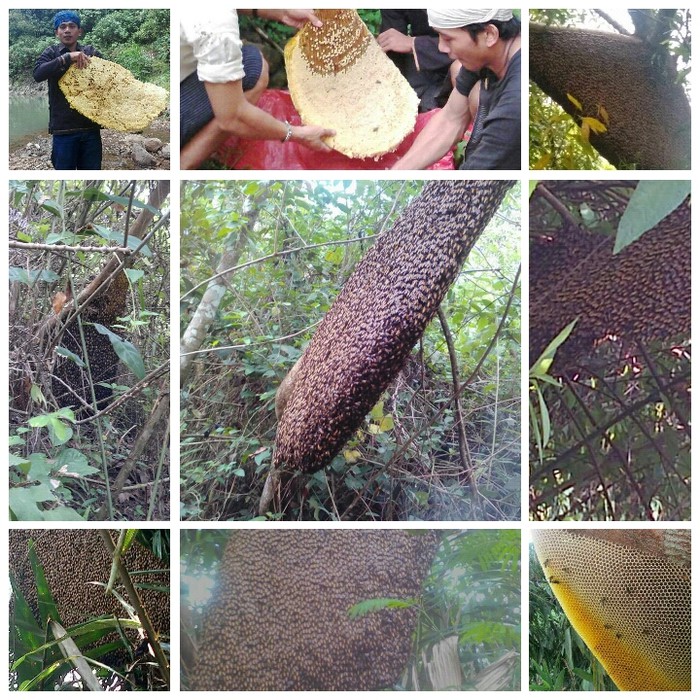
(455, 19)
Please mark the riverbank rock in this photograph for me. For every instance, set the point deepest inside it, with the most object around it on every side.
(120, 151)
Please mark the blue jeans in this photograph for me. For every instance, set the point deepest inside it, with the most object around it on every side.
(81, 150)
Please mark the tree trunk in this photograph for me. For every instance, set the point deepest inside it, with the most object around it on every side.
(649, 114)
(196, 331)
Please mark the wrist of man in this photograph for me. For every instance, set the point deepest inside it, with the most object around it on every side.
(289, 133)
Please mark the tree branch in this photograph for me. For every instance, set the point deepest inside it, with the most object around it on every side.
(464, 454)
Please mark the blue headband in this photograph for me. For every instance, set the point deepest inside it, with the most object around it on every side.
(65, 16)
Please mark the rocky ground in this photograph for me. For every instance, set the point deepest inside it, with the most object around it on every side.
(149, 150)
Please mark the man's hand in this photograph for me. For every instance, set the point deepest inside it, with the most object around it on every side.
(312, 137)
(79, 59)
(292, 18)
(394, 40)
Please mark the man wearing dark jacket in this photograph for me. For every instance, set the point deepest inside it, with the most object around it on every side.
(412, 44)
(77, 144)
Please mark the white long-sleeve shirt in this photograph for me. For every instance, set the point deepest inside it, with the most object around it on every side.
(210, 43)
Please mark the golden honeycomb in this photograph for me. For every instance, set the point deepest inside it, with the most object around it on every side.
(627, 593)
(110, 95)
(340, 78)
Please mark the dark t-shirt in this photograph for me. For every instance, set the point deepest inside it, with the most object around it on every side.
(495, 140)
(63, 118)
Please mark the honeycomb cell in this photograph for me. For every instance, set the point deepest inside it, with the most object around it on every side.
(627, 593)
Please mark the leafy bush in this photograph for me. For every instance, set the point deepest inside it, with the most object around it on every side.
(141, 36)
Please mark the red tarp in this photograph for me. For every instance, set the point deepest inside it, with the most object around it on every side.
(244, 154)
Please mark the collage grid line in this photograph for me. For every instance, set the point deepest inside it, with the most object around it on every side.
(475, 655)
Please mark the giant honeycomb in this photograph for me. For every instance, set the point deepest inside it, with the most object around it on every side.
(111, 96)
(379, 315)
(340, 78)
(627, 593)
(72, 560)
(279, 616)
(640, 294)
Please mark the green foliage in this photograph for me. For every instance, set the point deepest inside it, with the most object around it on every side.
(288, 270)
(369, 606)
(540, 426)
(126, 351)
(650, 202)
(556, 140)
(134, 59)
(55, 459)
(372, 18)
(473, 593)
(137, 39)
(41, 482)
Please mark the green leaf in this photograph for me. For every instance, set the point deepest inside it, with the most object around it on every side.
(134, 275)
(125, 350)
(118, 238)
(535, 429)
(51, 206)
(47, 605)
(387, 423)
(544, 418)
(41, 466)
(366, 607)
(24, 502)
(45, 673)
(59, 432)
(531, 187)
(97, 195)
(28, 635)
(20, 462)
(71, 462)
(62, 513)
(651, 201)
(595, 125)
(64, 352)
(67, 237)
(30, 277)
(377, 412)
(37, 395)
(541, 366)
(335, 256)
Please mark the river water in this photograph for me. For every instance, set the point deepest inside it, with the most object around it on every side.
(29, 116)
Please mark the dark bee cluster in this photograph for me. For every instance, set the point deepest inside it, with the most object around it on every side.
(279, 617)
(72, 560)
(639, 294)
(380, 314)
(582, 56)
(104, 309)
